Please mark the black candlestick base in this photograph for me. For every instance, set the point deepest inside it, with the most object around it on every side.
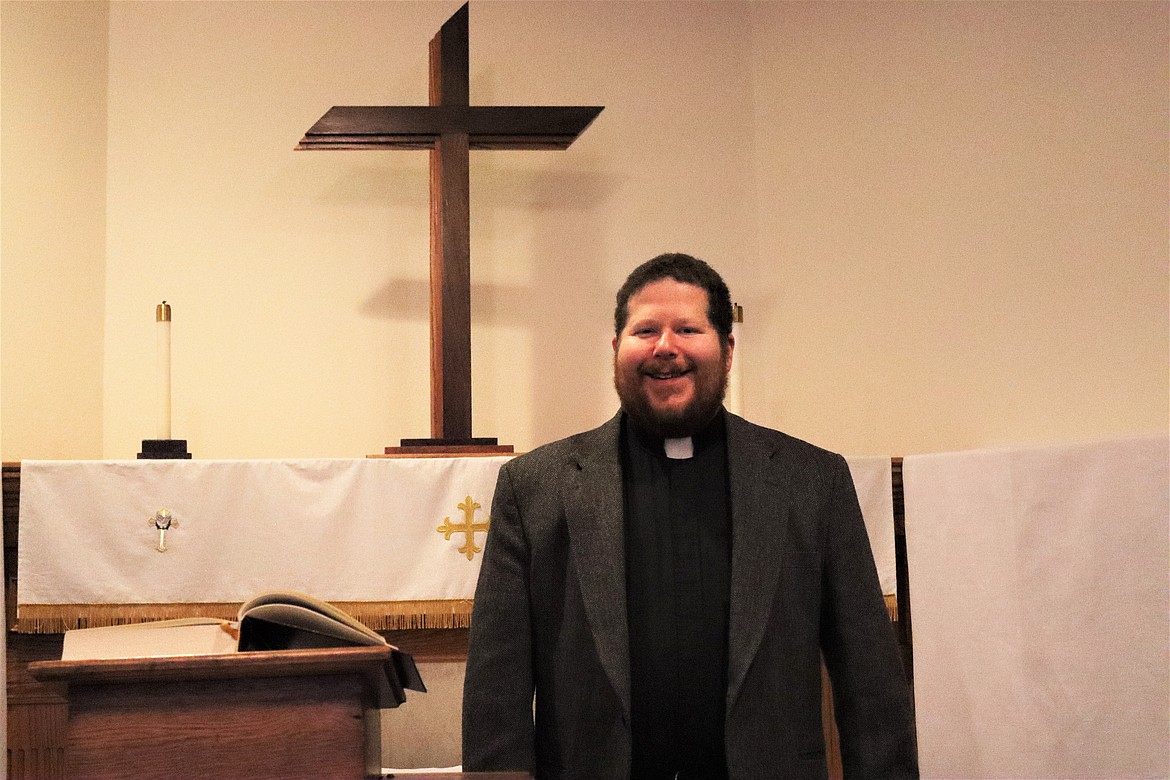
(164, 449)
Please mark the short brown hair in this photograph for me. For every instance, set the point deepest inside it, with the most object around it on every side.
(682, 268)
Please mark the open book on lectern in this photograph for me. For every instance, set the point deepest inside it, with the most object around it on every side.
(274, 620)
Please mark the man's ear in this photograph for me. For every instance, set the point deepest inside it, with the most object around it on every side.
(614, 343)
(730, 350)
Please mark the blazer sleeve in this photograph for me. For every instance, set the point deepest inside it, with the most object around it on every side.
(498, 733)
(871, 697)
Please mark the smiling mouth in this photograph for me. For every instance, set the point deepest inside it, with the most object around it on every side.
(665, 375)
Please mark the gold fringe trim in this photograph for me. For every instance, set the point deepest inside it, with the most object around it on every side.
(397, 615)
(378, 615)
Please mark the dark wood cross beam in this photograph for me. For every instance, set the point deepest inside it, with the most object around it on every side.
(449, 127)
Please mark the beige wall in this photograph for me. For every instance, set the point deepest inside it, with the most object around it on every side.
(947, 221)
(52, 228)
(965, 210)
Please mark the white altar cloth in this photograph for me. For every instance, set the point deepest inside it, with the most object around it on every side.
(1038, 579)
(362, 533)
(873, 479)
(344, 530)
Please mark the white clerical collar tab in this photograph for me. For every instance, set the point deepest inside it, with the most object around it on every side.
(679, 449)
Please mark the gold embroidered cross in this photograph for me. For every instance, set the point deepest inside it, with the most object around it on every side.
(468, 527)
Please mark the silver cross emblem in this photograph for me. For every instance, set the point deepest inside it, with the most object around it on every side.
(163, 521)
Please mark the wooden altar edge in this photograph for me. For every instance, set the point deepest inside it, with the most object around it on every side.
(378, 615)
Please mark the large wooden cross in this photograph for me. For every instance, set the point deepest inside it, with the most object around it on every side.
(449, 127)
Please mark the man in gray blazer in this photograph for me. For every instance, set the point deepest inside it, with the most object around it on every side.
(666, 585)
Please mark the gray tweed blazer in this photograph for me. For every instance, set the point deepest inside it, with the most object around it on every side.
(549, 618)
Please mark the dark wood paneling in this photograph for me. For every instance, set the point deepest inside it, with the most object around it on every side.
(37, 713)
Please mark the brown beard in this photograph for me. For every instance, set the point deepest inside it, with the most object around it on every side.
(687, 421)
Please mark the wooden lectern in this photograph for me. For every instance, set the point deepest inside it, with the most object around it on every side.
(288, 713)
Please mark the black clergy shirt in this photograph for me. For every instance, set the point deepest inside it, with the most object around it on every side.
(678, 563)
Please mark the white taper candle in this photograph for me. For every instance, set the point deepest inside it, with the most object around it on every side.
(734, 399)
(162, 318)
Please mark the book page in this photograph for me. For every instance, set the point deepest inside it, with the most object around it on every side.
(184, 636)
(299, 610)
(305, 619)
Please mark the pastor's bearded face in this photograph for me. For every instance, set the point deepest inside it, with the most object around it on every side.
(669, 366)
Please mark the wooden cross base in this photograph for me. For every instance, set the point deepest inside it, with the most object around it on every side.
(447, 448)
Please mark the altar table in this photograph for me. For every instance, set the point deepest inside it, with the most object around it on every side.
(395, 542)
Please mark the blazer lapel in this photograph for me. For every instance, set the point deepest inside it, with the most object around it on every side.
(595, 518)
(759, 502)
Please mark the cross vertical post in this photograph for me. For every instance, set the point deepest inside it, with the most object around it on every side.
(451, 238)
